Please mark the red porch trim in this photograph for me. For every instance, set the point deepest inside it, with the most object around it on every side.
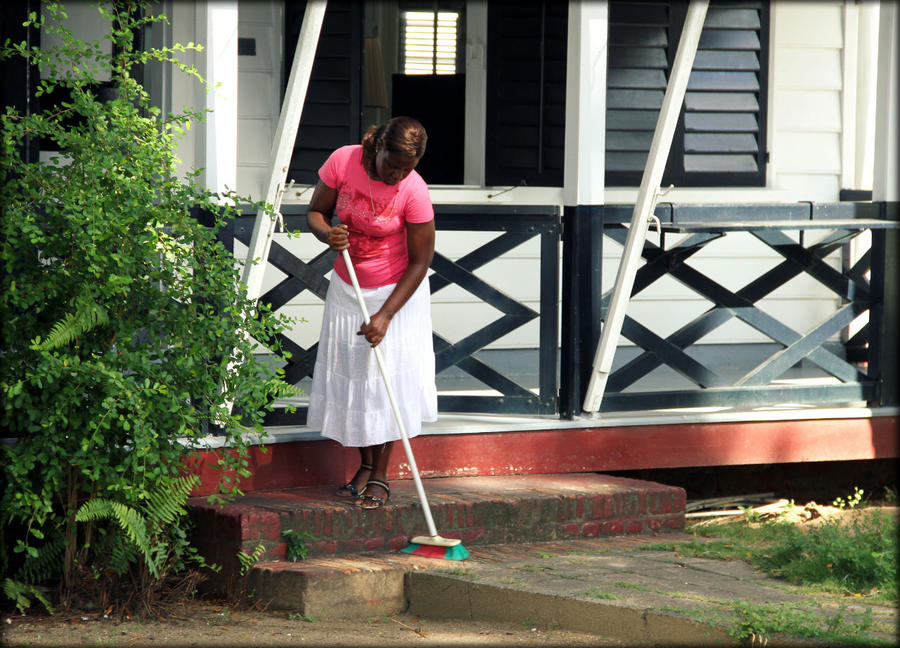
(592, 449)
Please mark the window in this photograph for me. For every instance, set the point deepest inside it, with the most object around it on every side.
(429, 42)
(430, 82)
(720, 138)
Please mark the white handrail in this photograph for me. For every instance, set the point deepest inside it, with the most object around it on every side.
(283, 145)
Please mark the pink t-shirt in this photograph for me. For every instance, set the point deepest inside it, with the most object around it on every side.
(376, 215)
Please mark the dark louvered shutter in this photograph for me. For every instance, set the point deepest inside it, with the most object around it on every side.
(720, 139)
(20, 81)
(526, 104)
(332, 113)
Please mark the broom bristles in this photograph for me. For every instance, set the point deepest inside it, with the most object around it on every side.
(456, 552)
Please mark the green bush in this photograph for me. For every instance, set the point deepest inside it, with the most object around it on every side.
(121, 314)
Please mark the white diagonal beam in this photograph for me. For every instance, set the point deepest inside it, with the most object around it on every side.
(283, 145)
(282, 148)
(646, 202)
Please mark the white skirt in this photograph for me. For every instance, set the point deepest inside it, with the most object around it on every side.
(348, 401)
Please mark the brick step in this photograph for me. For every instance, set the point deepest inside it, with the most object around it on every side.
(477, 510)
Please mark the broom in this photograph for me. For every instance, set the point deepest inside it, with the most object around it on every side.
(433, 545)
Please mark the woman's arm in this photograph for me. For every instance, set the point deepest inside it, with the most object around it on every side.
(420, 243)
(318, 217)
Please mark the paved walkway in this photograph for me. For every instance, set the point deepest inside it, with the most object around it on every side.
(634, 589)
(581, 552)
(626, 588)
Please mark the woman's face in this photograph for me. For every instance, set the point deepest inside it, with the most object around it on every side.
(393, 167)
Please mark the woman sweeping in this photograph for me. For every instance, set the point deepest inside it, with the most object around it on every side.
(387, 225)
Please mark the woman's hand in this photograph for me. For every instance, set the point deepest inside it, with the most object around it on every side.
(339, 238)
(376, 329)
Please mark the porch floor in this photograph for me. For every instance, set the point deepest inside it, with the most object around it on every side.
(459, 423)
(471, 444)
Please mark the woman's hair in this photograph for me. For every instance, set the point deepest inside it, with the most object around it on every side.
(403, 135)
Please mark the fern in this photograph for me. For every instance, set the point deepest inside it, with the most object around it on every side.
(166, 505)
(163, 507)
(19, 593)
(130, 521)
(39, 568)
(121, 555)
(87, 316)
(247, 560)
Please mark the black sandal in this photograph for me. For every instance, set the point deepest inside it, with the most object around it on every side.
(349, 489)
(371, 502)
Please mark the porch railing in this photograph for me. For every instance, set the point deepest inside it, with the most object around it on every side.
(853, 358)
(852, 370)
(513, 225)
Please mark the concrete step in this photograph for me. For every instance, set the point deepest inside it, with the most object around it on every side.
(477, 510)
(339, 587)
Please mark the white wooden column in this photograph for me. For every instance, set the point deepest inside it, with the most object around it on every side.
(865, 92)
(283, 145)
(476, 91)
(886, 184)
(585, 143)
(219, 20)
(887, 133)
(849, 96)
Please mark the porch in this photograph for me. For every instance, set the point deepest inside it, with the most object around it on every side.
(677, 395)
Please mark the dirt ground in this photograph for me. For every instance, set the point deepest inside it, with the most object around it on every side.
(209, 624)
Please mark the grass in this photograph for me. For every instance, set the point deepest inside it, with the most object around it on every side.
(534, 569)
(458, 571)
(856, 557)
(756, 622)
(842, 626)
(634, 586)
(299, 616)
(597, 593)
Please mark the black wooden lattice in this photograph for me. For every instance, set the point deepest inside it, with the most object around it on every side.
(855, 382)
(515, 226)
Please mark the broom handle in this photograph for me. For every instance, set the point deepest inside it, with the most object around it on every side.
(381, 367)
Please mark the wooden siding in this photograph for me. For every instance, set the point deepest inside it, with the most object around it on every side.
(807, 78)
(259, 92)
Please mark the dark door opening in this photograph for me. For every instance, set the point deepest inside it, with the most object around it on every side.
(439, 102)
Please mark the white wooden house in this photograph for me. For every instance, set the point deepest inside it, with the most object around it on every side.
(792, 105)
